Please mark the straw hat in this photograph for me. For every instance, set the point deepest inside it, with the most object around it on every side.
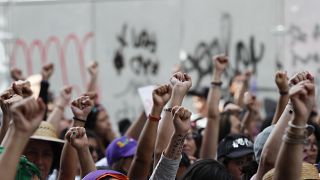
(46, 132)
(308, 171)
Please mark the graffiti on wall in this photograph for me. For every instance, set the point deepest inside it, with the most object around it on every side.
(248, 53)
(38, 49)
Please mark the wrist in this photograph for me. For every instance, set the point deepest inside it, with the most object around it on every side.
(156, 111)
(217, 76)
(176, 99)
(299, 120)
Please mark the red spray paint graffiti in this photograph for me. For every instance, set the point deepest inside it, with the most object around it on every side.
(61, 47)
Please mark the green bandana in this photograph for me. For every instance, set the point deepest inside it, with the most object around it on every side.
(25, 170)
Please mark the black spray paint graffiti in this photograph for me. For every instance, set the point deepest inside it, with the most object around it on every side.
(143, 62)
(247, 55)
(299, 37)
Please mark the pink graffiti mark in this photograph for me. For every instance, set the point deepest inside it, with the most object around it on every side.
(61, 48)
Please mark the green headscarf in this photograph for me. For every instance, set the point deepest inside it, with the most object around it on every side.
(26, 169)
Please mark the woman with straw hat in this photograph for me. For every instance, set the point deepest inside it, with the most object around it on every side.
(44, 149)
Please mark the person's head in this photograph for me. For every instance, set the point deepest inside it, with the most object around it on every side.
(123, 126)
(311, 150)
(235, 151)
(105, 175)
(192, 143)
(206, 169)
(94, 145)
(99, 122)
(260, 141)
(229, 124)
(44, 149)
(199, 98)
(120, 153)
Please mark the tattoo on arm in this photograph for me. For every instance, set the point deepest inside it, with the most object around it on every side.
(174, 149)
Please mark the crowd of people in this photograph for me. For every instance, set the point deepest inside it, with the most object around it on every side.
(221, 142)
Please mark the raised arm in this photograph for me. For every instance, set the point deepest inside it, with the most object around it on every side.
(57, 114)
(16, 74)
(168, 165)
(80, 107)
(77, 137)
(46, 72)
(142, 161)
(7, 98)
(136, 127)
(271, 148)
(239, 94)
(211, 132)
(251, 115)
(93, 71)
(27, 115)
(283, 87)
(181, 83)
(302, 97)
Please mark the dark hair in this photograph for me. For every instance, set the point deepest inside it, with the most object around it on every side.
(123, 125)
(249, 169)
(198, 140)
(316, 133)
(57, 150)
(225, 125)
(206, 169)
(185, 161)
(92, 117)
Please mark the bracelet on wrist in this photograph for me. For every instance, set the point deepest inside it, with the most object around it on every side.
(78, 119)
(297, 127)
(283, 93)
(169, 109)
(153, 118)
(216, 84)
(290, 140)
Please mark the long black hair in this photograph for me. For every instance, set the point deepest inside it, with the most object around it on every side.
(206, 169)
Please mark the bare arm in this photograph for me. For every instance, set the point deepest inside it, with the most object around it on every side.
(57, 114)
(142, 161)
(271, 148)
(211, 133)
(136, 127)
(181, 84)
(238, 98)
(5, 120)
(27, 116)
(283, 87)
(77, 137)
(168, 165)
(69, 159)
(302, 96)
(93, 71)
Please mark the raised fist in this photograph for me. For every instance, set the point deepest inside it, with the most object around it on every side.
(181, 120)
(300, 76)
(22, 88)
(16, 74)
(93, 68)
(281, 80)
(181, 83)
(161, 95)
(81, 107)
(77, 137)
(47, 71)
(220, 63)
(27, 115)
(302, 96)
(65, 96)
